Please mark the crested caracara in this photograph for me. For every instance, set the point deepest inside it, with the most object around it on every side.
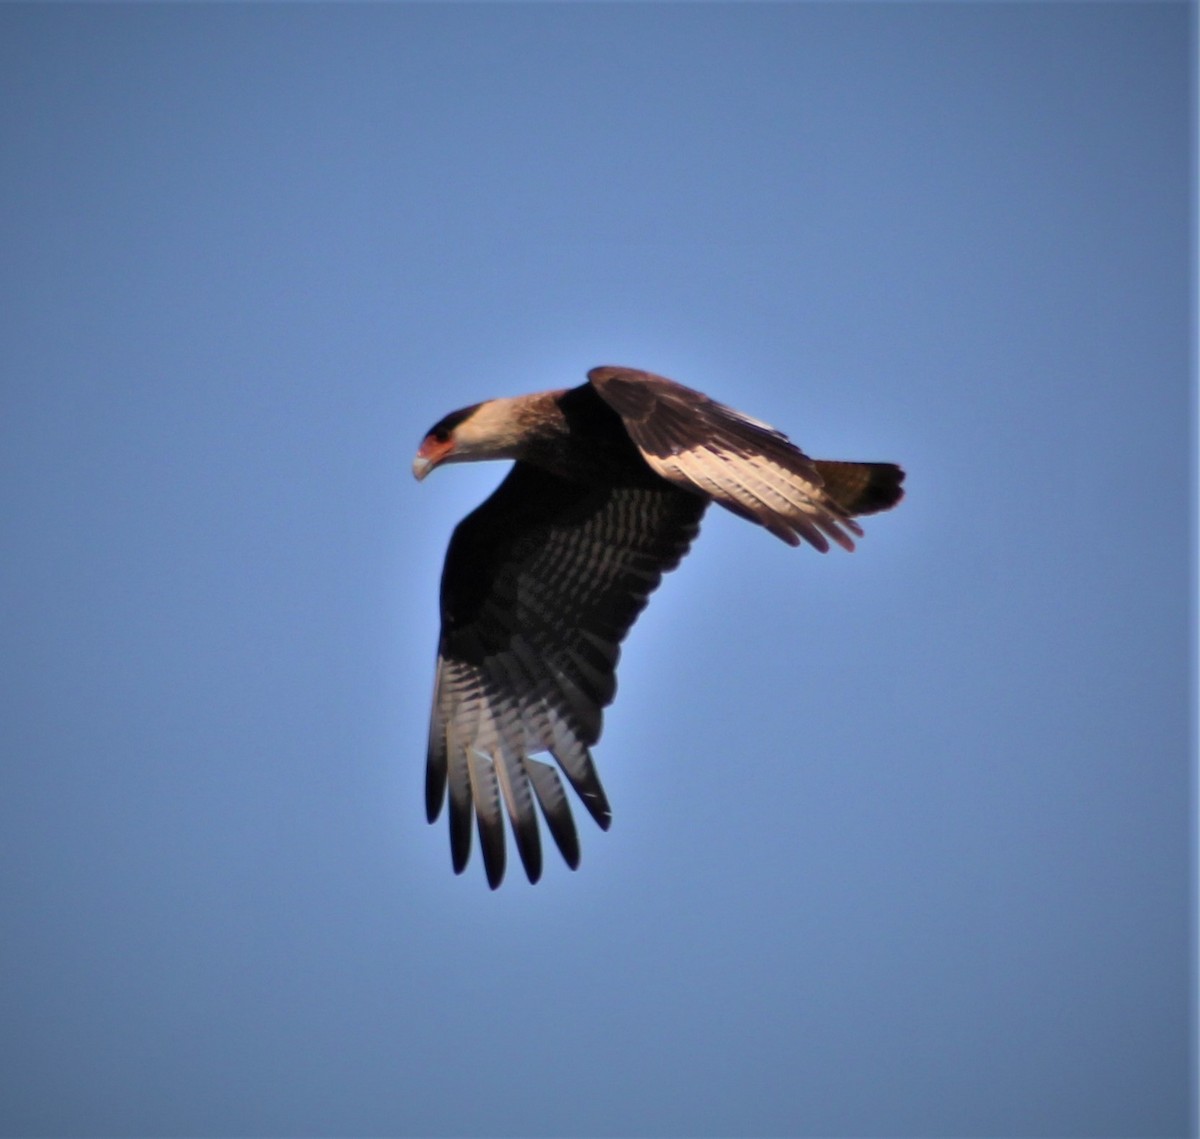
(545, 578)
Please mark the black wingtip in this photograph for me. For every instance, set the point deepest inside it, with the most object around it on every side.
(594, 799)
(460, 842)
(562, 828)
(433, 804)
(531, 861)
(435, 784)
(495, 873)
(494, 868)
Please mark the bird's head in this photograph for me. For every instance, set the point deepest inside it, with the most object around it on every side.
(490, 430)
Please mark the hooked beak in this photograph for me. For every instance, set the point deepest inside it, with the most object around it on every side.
(429, 455)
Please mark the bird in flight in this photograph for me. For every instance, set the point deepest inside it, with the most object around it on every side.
(544, 579)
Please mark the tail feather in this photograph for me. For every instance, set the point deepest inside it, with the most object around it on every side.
(861, 488)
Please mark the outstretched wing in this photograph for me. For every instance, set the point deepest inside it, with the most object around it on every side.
(744, 464)
(541, 584)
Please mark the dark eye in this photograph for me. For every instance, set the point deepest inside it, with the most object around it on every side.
(440, 434)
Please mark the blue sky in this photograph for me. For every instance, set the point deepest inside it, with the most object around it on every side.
(901, 841)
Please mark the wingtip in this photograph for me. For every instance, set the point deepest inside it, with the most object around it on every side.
(494, 867)
(433, 803)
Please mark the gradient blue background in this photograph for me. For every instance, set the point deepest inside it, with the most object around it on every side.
(901, 839)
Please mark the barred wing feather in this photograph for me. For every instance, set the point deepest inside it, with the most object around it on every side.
(541, 584)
